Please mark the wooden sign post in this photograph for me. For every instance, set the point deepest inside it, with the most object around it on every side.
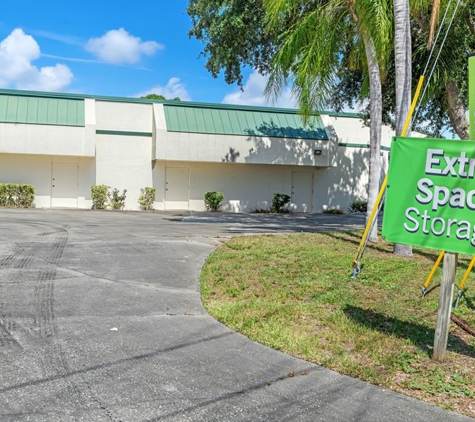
(445, 306)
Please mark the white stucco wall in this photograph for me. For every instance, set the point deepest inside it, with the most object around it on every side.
(175, 146)
(124, 162)
(250, 186)
(31, 169)
(354, 131)
(122, 116)
(87, 178)
(347, 181)
(245, 186)
(36, 170)
(19, 138)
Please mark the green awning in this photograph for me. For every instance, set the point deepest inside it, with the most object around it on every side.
(41, 110)
(246, 121)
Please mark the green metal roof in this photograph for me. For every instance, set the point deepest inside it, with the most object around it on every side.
(242, 121)
(41, 110)
(62, 95)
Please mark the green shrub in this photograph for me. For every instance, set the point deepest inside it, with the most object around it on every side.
(147, 198)
(7, 194)
(117, 201)
(214, 200)
(259, 211)
(358, 205)
(26, 196)
(280, 202)
(100, 197)
(335, 210)
(17, 195)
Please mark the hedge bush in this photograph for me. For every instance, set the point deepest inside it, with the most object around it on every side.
(147, 198)
(214, 200)
(117, 201)
(17, 195)
(358, 205)
(103, 198)
(100, 197)
(280, 203)
(335, 210)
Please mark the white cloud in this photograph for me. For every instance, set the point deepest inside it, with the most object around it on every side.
(17, 51)
(174, 88)
(253, 94)
(49, 78)
(117, 46)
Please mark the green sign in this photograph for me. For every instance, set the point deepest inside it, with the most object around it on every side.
(471, 95)
(430, 196)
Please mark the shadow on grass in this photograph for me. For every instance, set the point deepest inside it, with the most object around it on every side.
(420, 335)
(470, 303)
(431, 289)
(355, 238)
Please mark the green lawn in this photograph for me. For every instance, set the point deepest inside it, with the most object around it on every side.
(293, 293)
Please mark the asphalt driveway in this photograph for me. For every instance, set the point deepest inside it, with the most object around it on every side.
(101, 320)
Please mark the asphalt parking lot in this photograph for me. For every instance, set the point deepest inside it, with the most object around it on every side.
(101, 320)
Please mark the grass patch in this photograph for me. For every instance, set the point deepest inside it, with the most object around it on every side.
(293, 293)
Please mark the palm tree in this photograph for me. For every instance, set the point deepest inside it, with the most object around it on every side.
(447, 90)
(403, 67)
(311, 50)
(433, 22)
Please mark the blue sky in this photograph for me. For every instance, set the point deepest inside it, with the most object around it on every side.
(116, 48)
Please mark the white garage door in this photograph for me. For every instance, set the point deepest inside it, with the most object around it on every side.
(64, 185)
(302, 191)
(177, 188)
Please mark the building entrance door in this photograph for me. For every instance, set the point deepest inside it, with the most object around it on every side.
(64, 185)
(302, 191)
(177, 188)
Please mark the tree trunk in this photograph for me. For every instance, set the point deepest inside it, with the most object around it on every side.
(403, 65)
(457, 115)
(433, 20)
(375, 96)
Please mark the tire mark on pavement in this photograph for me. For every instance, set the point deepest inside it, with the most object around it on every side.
(15, 256)
(6, 332)
(48, 247)
(55, 363)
